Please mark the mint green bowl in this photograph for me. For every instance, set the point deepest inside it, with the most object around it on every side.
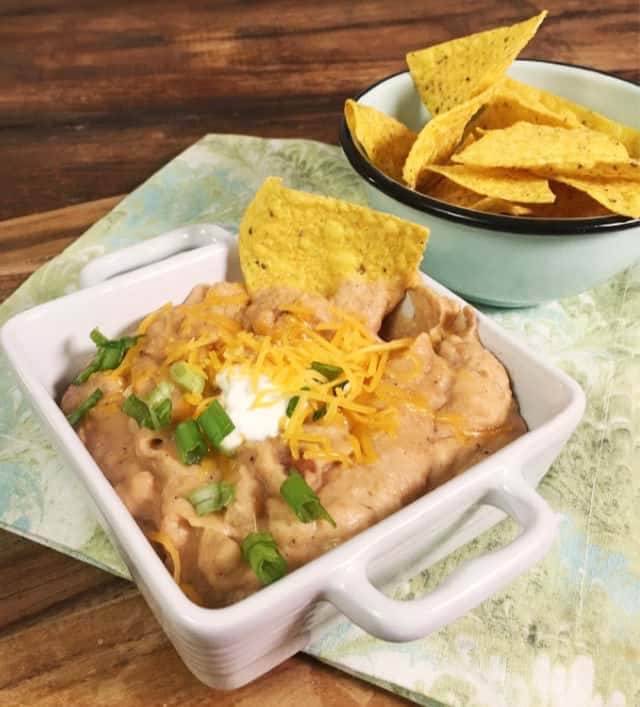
(508, 261)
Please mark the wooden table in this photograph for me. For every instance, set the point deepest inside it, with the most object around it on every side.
(94, 96)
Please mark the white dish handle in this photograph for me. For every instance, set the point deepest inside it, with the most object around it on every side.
(352, 593)
(188, 237)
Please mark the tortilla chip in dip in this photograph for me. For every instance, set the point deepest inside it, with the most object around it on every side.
(386, 140)
(499, 183)
(450, 73)
(527, 145)
(314, 243)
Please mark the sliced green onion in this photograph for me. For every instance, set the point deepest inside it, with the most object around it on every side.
(98, 338)
(211, 498)
(76, 416)
(161, 414)
(326, 369)
(188, 377)
(84, 375)
(191, 445)
(155, 413)
(138, 410)
(108, 356)
(291, 406)
(261, 553)
(319, 413)
(303, 499)
(159, 394)
(160, 405)
(216, 423)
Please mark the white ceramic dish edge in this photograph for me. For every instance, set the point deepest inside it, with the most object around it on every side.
(228, 647)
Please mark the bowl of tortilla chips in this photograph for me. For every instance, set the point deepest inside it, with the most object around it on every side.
(527, 172)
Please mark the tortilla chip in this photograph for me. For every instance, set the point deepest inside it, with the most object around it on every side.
(438, 139)
(468, 138)
(628, 136)
(385, 140)
(499, 206)
(453, 193)
(457, 195)
(505, 184)
(507, 107)
(527, 145)
(450, 73)
(569, 203)
(622, 170)
(314, 243)
(622, 196)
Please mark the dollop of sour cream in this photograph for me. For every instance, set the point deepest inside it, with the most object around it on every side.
(237, 398)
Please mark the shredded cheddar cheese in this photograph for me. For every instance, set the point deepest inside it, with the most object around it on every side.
(333, 419)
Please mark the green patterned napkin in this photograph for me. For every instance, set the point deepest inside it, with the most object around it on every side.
(565, 634)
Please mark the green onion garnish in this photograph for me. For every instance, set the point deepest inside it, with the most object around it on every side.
(108, 356)
(326, 369)
(216, 423)
(188, 377)
(161, 414)
(152, 417)
(211, 498)
(159, 394)
(261, 553)
(191, 445)
(98, 338)
(153, 414)
(160, 405)
(319, 413)
(138, 410)
(291, 406)
(303, 499)
(76, 416)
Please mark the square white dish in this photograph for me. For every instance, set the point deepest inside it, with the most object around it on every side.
(228, 647)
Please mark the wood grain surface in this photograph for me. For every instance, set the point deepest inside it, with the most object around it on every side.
(94, 96)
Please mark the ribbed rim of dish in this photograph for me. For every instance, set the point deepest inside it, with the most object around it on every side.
(494, 222)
